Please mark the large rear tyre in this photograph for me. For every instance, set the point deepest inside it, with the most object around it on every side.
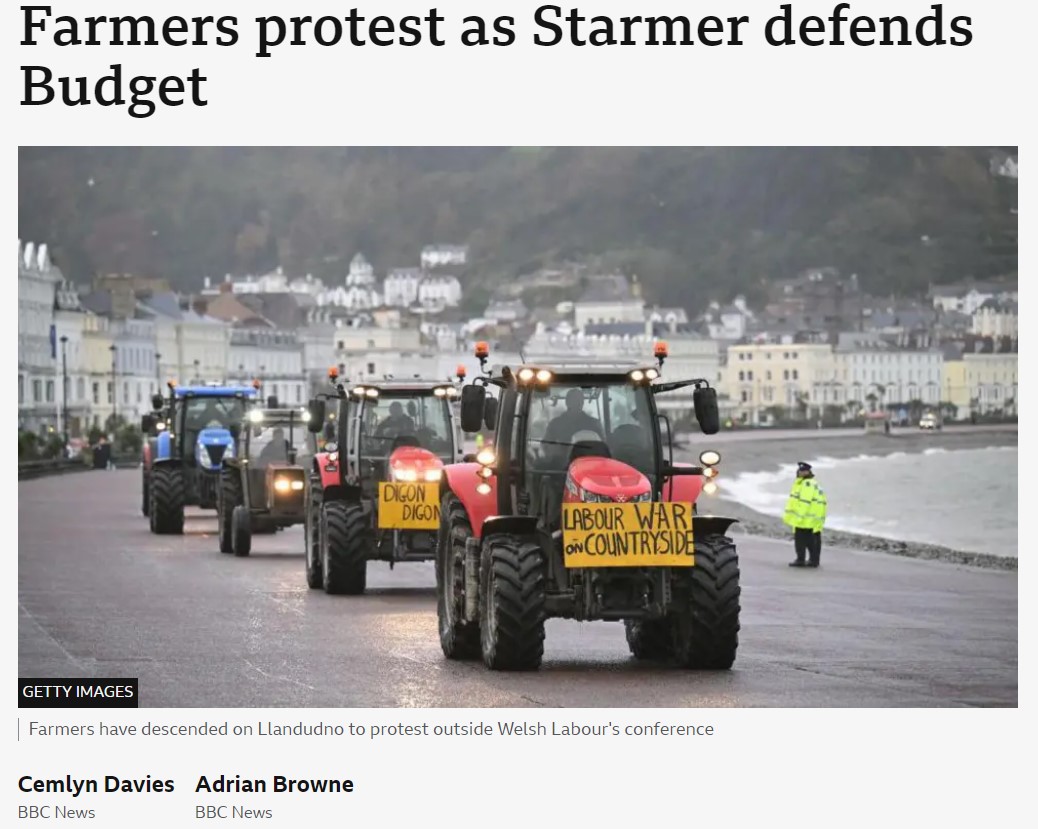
(312, 540)
(230, 497)
(345, 541)
(241, 531)
(649, 639)
(166, 507)
(511, 602)
(458, 638)
(705, 630)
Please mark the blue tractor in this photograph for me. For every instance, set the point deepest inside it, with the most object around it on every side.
(189, 435)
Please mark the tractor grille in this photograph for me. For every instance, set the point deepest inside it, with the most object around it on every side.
(215, 452)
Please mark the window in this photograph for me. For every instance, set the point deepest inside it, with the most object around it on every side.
(140, 394)
(37, 391)
(745, 396)
(371, 343)
(794, 355)
(768, 355)
(21, 389)
(741, 375)
(299, 394)
(342, 345)
(371, 368)
(126, 392)
(80, 389)
(767, 374)
(96, 387)
(111, 391)
(785, 355)
(785, 374)
(796, 374)
(749, 375)
(50, 391)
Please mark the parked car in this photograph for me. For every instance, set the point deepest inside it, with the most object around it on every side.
(930, 422)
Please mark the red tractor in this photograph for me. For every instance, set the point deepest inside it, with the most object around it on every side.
(578, 511)
(374, 491)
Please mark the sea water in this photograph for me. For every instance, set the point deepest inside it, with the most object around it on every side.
(963, 499)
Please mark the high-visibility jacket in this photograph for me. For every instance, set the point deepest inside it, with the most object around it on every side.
(806, 506)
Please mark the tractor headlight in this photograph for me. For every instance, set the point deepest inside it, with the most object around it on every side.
(256, 416)
(593, 497)
(433, 475)
(333, 456)
(709, 458)
(486, 456)
(405, 475)
(484, 488)
(284, 484)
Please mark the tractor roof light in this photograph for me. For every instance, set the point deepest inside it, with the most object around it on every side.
(371, 392)
(256, 384)
(710, 457)
(358, 391)
(661, 349)
(651, 373)
(461, 372)
(440, 391)
(544, 376)
(482, 350)
(451, 391)
(256, 416)
(637, 375)
(710, 472)
(486, 457)
(305, 415)
(333, 373)
(525, 375)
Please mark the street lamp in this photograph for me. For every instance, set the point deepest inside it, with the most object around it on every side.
(115, 389)
(64, 390)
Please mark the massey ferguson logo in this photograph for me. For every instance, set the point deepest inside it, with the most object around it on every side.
(620, 498)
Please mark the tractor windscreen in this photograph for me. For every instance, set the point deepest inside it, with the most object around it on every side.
(394, 420)
(611, 420)
(208, 413)
(279, 441)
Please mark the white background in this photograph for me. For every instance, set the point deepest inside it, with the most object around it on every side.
(805, 768)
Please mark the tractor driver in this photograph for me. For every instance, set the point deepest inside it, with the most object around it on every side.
(562, 428)
(276, 451)
(397, 423)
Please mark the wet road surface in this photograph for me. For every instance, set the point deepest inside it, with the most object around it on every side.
(99, 595)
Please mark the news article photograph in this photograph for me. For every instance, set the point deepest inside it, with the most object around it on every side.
(519, 426)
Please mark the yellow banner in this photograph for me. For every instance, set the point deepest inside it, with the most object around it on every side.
(643, 534)
(408, 506)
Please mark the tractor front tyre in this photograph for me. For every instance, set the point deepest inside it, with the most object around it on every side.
(241, 531)
(167, 496)
(230, 496)
(512, 603)
(312, 542)
(345, 540)
(458, 638)
(705, 630)
(145, 495)
(648, 638)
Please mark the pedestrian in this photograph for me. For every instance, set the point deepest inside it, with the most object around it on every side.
(805, 513)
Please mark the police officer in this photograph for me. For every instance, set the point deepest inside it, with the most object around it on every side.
(805, 513)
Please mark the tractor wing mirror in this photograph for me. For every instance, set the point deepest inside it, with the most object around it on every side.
(316, 410)
(704, 401)
(473, 398)
(490, 413)
(156, 401)
(147, 424)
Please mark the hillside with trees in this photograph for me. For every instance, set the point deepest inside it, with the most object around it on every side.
(693, 223)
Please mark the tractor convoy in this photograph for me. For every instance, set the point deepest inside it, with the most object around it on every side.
(575, 509)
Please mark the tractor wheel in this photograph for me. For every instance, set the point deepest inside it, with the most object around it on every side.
(458, 638)
(230, 497)
(166, 509)
(312, 545)
(241, 531)
(705, 631)
(648, 638)
(511, 603)
(345, 541)
(145, 495)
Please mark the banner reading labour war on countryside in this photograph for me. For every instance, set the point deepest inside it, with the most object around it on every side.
(408, 506)
(642, 534)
